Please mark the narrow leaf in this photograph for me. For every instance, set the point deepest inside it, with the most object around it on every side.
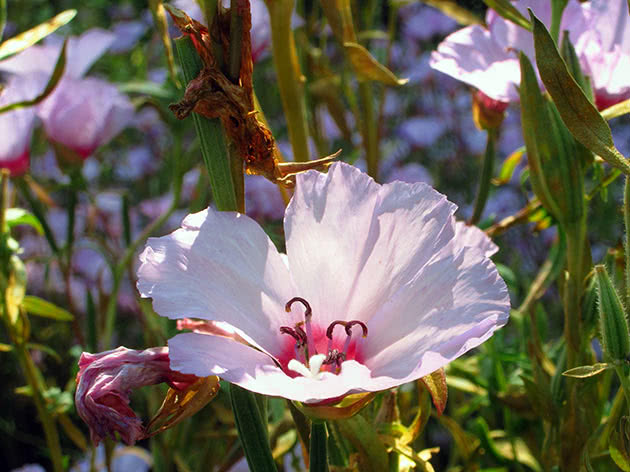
(436, 385)
(30, 37)
(508, 11)
(451, 8)
(159, 17)
(50, 86)
(368, 68)
(586, 371)
(40, 307)
(509, 166)
(251, 430)
(3, 16)
(578, 113)
(19, 216)
(371, 451)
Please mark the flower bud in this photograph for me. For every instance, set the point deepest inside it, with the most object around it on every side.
(105, 381)
(488, 113)
(612, 318)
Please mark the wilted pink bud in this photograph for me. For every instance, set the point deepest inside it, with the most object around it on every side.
(83, 114)
(105, 381)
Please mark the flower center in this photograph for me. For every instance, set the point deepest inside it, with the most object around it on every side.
(305, 358)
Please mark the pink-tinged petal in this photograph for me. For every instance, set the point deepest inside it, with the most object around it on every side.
(204, 355)
(85, 50)
(219, 266)
(610, 21)
(455, 303)
(352, 243)
(105, 382)
(84, 114)
(474, 57)
(82, 52)
(16, 127)
(471, 236)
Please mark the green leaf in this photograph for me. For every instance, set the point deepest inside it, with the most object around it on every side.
(371, 451)
(159, 18)
(368, 68)
(3, 16)
(19, 216)
(50, 86)
(40, 307)
(454, 10)
(586, 371)
(509, 166)
(144, 87)
(508, 11)
(5, 347)
(251, 430)
(435, 383)
(318, 451)
(30, 37)
(578, 113)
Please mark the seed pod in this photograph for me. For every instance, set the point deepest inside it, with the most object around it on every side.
(612, 318)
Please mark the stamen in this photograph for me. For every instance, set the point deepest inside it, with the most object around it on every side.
(352, 323)
(308, 314)
(331, 328)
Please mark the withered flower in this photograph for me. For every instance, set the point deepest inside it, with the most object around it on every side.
(213, 95)
(105, 381)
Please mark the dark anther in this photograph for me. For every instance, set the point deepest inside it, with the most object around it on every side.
(307, 313)
(302, 334)
(334, 357)
(298, 334)
(352, 323)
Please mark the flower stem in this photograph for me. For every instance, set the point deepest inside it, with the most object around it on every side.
(211, 136)
(48, 423)
(575, 233)
(626, 217)
(486, 176)
(625, 382)
(318, 450)
(251, 430)
(369, 128)
(290, 81)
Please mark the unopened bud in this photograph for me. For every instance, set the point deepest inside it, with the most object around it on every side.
(488, 113)
(612, 318)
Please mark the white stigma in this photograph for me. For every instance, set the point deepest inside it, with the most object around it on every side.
(315, 364)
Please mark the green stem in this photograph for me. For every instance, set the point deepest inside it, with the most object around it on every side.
(575, 233)
(625, 383)
(369, 128)
(616, 412)
(290, 82)
(234, 72)
(211, 136)
(486, 176)
(251, 430)
(38, 211)
(626, 217)
(4, 198)
(318, 450)
(48, 423)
